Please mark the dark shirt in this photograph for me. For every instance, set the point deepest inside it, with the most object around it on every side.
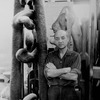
(70, 59)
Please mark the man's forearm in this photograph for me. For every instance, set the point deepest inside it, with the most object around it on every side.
(55, 72)
(69, 76)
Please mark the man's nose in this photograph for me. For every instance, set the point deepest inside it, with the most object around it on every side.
(60, 40)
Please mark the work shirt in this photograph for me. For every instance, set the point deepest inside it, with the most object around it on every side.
(70, 59)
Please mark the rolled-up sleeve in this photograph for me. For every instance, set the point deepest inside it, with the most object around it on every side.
(76, 67)
(48, 59)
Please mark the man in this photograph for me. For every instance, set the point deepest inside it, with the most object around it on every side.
(61, 69)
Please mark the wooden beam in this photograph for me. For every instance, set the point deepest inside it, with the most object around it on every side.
(42, 46)
(17, 43)
(92, 41)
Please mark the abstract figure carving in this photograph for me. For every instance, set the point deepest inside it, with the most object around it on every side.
(27, 12)
(31, 96)
(24, 53)
(22, 19)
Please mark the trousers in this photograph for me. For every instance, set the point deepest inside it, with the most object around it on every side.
(62, 93)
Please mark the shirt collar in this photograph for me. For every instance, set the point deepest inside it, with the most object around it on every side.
(68, 52)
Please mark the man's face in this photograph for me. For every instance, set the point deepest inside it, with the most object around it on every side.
(61, 39)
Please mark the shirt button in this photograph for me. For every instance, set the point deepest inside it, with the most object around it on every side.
(60, 62)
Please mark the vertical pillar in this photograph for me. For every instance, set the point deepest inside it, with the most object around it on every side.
(17, 43)
(42, 46)
(92, 41)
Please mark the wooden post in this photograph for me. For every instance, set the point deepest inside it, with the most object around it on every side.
(42, 46)
(92, 40)
(15, 87)
(17, 43)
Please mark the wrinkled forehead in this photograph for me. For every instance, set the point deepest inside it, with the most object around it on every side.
(61, 33)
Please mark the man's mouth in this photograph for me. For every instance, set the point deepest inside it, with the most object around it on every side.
(60, 45)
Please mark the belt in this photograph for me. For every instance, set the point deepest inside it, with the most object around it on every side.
(62, 86)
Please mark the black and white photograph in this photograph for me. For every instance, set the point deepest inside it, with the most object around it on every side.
(49, 50)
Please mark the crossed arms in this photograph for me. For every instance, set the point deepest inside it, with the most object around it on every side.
(63, 73)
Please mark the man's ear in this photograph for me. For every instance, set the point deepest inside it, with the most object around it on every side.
(22, 2)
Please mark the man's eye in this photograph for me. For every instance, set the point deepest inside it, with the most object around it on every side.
(62, 38)
(56, 38)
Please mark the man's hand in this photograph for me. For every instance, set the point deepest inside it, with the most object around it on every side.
(69, 76)
(67, 70)
(51, 65)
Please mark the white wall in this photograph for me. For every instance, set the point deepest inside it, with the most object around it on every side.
(6, 15)
(52, 10)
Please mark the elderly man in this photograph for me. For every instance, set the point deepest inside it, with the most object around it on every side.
(61, 69)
